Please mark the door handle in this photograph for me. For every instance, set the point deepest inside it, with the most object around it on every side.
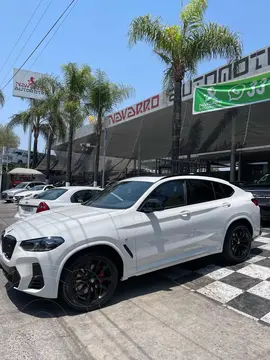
(226, 205)
(185, 213)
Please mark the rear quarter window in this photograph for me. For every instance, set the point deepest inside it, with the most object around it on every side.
(222, 191)
(51, 194)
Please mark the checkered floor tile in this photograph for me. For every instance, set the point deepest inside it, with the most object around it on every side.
(244, 287)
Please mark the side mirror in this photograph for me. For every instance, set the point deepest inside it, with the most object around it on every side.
(152, 205)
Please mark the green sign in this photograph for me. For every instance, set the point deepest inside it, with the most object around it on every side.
(231, 94)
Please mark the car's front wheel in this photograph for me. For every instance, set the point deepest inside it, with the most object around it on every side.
(88, 282)
(237, 243)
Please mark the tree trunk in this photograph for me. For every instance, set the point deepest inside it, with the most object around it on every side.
(176, 124)
(98, 134)
(35, 150)
(48, 160)
(69, 153)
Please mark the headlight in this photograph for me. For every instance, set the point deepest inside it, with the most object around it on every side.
(27, 195)
(42, 244)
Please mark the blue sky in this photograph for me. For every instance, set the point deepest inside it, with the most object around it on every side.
(95, 33)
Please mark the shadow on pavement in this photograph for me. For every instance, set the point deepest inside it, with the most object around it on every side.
(130, 289)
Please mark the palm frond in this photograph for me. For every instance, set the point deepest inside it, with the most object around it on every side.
(214, 41)
(2, 98)
(103, 96)
(168, 82)
(192, 15)
(23, 119)
(151, 31)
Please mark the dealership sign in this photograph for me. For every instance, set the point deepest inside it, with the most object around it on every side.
(252, 64)
(232, 94)
(24, 84)
(130, 112)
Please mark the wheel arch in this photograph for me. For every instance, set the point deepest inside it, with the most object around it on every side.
(241, 220)
(106, 248)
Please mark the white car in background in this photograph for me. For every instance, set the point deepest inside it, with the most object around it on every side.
(9, 194)
(55, 198)
(28, 194)
(136, 226)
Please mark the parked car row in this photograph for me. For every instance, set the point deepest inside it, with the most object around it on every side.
(9, 194)
(77, 243)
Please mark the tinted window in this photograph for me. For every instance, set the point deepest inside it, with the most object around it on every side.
(222, 191)
(38, 187)
(121, 196)
(171, 194)
(82, 196)
(199, 191)
(51, 194)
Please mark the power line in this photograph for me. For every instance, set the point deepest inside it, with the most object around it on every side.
(40, 19)
(48, 42)
(41, 41)
(19, 38)
(55, 32)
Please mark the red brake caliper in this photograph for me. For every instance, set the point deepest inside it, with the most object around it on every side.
(101, 275)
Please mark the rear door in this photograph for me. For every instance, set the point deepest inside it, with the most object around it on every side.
(210, 207)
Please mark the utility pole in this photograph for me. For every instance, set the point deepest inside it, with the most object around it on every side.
(1, 167)
(104, 154)
(29, 146)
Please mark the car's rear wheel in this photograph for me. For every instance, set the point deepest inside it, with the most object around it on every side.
(237, 243)
(88, 282)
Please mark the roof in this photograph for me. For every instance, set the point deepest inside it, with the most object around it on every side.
(78, 188)
(154, 179)
(151, 179)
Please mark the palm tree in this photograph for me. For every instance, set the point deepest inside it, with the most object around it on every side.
(2, 98)
(33, 118)
(8, 138)
(102, 98)
(55, 126)
(76, 80)
(181, 47)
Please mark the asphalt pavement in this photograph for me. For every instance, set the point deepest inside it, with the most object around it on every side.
(152, 317)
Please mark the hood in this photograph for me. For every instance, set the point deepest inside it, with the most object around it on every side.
(13, 191)
(57, 222)
(28, 192)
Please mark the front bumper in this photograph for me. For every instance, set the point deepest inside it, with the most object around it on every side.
(7, 197)
(31, 273)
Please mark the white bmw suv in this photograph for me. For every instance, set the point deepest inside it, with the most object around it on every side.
(136, 226)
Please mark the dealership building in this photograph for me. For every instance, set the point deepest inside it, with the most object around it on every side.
(140, 134)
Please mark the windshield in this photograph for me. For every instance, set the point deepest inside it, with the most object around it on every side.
(38, 187)
(264, 180)
(51, 194)
(22, 185)
(120, 196)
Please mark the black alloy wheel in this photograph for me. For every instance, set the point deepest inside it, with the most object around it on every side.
(237, 243)
(89, 282)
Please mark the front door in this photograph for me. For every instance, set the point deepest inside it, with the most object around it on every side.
(163, 237)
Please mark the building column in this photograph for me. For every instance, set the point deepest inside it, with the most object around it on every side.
(233, 150)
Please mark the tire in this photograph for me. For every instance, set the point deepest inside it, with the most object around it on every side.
(237, 243)
(93, 272)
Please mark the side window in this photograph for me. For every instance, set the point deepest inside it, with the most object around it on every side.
(199, 191)
(171, 194)
(88, 195)
(77, 197)
(222, 191)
